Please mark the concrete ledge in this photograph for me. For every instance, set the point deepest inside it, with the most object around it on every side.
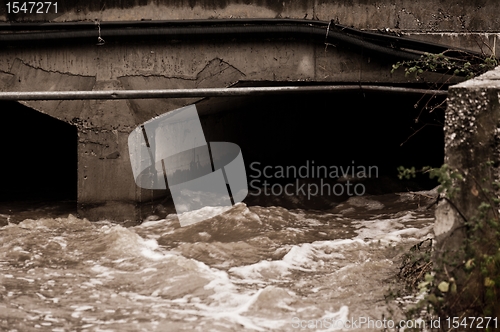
(428, 15)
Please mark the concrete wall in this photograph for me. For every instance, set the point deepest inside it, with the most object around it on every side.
(427, 15)
(105, 179)
(472, 149)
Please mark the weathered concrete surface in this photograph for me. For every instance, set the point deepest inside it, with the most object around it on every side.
(217, 73)
(428, 15)
(27, 78)
(472, 149)
(105, 181)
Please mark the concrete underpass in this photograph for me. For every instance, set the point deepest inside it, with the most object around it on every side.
(370, 128)
(361, 128)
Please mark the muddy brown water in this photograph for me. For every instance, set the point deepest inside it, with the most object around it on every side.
(252, 268)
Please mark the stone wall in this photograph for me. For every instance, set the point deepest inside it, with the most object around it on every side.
(472, 149)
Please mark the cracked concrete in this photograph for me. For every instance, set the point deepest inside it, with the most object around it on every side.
(216, 73)
(24, 77)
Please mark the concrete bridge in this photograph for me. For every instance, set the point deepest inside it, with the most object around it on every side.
(137, 45)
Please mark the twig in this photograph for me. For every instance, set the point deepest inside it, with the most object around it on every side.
(416, 131)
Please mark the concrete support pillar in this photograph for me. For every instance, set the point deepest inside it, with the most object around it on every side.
(105, 183)
(106, 187)
(472, 149)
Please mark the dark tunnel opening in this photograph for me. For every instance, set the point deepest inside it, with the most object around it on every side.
(39, 156)
(340, 130)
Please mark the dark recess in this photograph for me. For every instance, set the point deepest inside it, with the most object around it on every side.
(39, 155)
(369, 128)
(40, 152)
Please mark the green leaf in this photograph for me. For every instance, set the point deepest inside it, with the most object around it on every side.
(469, 264)
(488, 282)
(423, 284)
(453, 288)
(432, 298)
(444, 286)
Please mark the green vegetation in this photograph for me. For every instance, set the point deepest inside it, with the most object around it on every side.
(464, 283)
(460, 280)
(467, 65)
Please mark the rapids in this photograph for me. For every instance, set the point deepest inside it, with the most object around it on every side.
(252, 268)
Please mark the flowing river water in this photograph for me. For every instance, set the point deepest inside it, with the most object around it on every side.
(252, 268)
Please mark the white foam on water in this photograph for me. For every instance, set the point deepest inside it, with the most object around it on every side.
(393, 230)
(229, 304)
(360, 201)
(410, 196)
(299, 257)
(253, 273)
(331, 256)
(337, 320)
(104, 272)
(152, 223)
(59, 240)
(82, 307)
(234, 313)
(312, 222)
(129, 243)
(304, 257)
(207, 212)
